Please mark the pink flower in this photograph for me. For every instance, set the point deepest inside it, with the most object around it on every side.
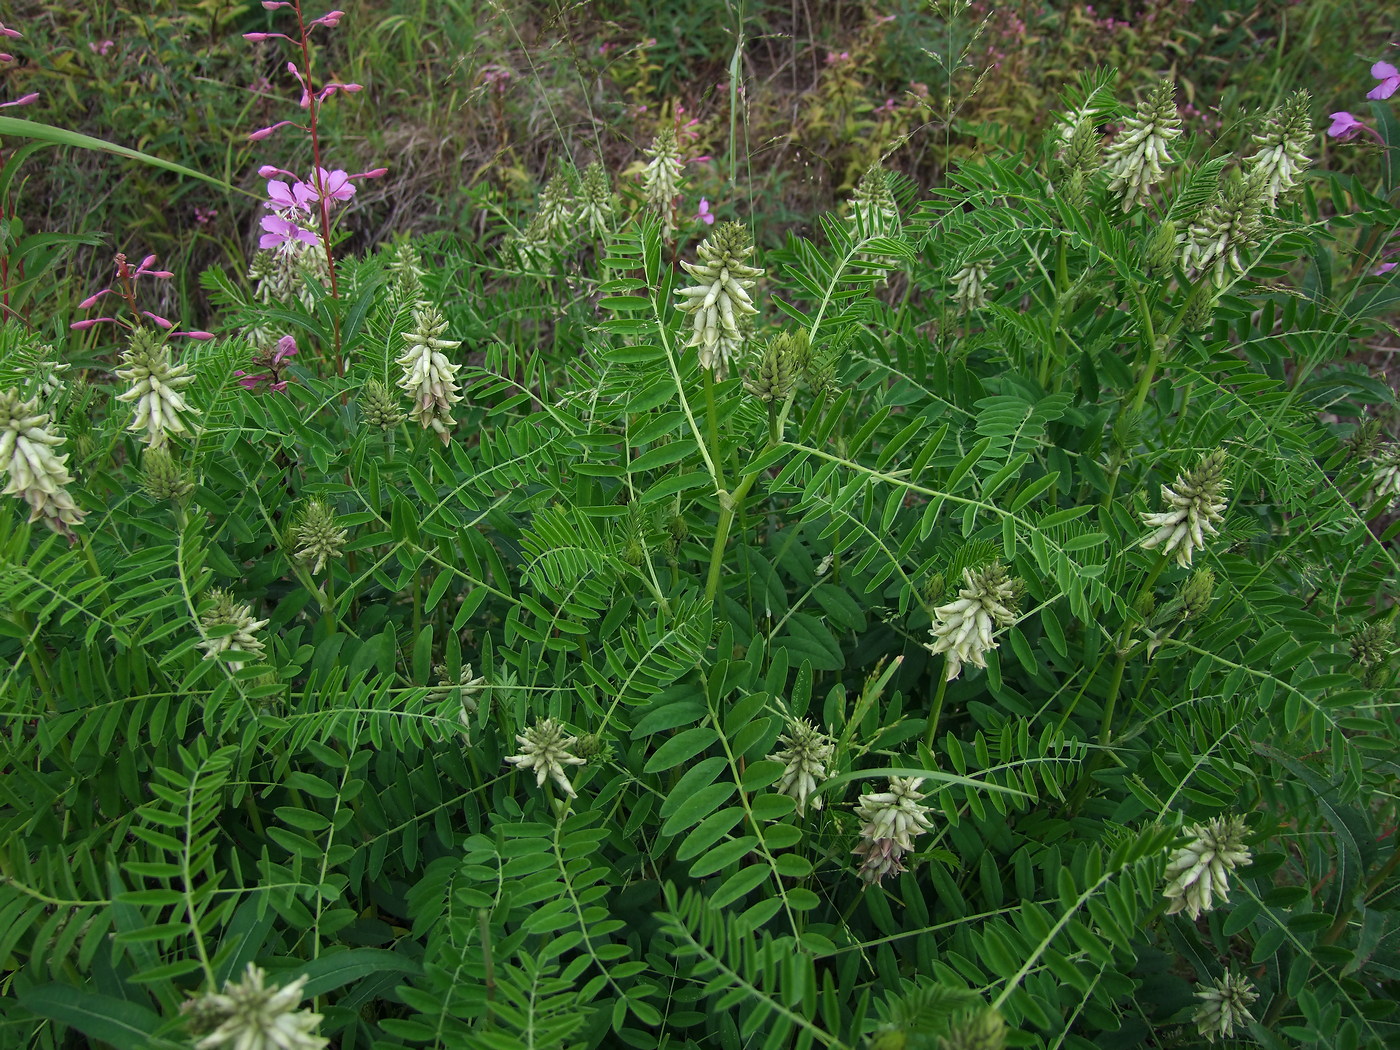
(1344, 125)
(295, 197)
(204, 216)
(704, 213)
(330, 20)
(330, 185)
(282, 231)
(13, 34)
(1384, 268)
(23, 100)
(263, 133)
(100, 48)
(275, 361)
(1389, 78)
(833, 58)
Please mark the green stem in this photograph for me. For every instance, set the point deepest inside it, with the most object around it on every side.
(1154, 356)
(937, 711)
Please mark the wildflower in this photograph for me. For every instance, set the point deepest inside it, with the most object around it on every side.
(162, 477)
(283, 233)
(662, 175)
(983, 1030)
(1224, 1006)
(546, 751)
(1197, 594)
(465, 688)
(275, 361)
(1389, 78)
(1344, 125)
(778, 367)
(429, 378)
(596, 200)
(155, 388)
(890, 820)
(317, 536)
(101, 47)
(1199, 870)
(1197, 500)
(722, 295)
(229, 627)
(963, 629)
(252, 1016)
(1383, 492)
(805, 760)
(1282, 142)
(37, 474)
(970, 292)
(379, 407)
(1135, 158)
(873, 209)
(703, 213)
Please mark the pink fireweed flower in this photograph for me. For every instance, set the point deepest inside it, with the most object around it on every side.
(204, 216)
(258, 37)
(704, 214)
(13, 34)
(330, 185)
(834, 58)
(1389, 78)
(100, 48)
(331, 88)
(289, 198)
(282, 231)
(1344, 125)
(330, 20)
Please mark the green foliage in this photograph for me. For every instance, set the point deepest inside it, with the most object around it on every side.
(219, 753)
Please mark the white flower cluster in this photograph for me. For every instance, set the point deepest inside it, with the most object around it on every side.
(37, 473)
(252, 1016)
(1227, 227)
(1224, 1006)
(721, 297)
(1383, 491)
(1134, 160)
(545, 749)
(805, 761)
(155, 388)
(429, 378)
(1199, 871)
(661, 177)
(970, 292)
(596, 206)
(890, 820)
(1283, 142)
(963, 629)
(225, 613)
(1197, 501)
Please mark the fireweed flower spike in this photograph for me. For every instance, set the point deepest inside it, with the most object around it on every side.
(805, 759)
(161, 409)
(545, 749)
(963, 629)
(721, 296)
(225, 613)
(1134, 160)
(37, 473)
(889, 821)
(1283, 143)
(252, 1016)
(1224, 1006)
(429, 378)
(1197, 501)
(1199, 871)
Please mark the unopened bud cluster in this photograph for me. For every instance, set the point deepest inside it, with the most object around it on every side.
(162, 477)
(379, 407)
(661, 178)
(1198, 872)
(1224, 1006)
(36, 472)
(783, 359)
(1229, 225)
(316, 535)
(1276, 166)
(970, 286)
(720, 298)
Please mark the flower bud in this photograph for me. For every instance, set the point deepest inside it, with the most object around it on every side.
(163, 478)
(316, 535)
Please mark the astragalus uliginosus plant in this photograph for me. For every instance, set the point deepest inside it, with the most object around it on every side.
(948, 630)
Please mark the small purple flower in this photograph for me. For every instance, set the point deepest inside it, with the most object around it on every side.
(102, 47)
(704, 213)
(1344, 125)
(1384, 268)
(1389, 78)
(275, 361)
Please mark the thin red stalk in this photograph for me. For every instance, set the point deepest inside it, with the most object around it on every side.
(324, 209)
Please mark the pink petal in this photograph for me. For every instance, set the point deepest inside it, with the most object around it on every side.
(6, 31)
(23, 100)
(158, 319)
(1384, 70)
(91, 300)
(263, 133)
(83, 326)
(374, 173)
(196, 335)
(145, 262)
(330, 18)
(1384, 89)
